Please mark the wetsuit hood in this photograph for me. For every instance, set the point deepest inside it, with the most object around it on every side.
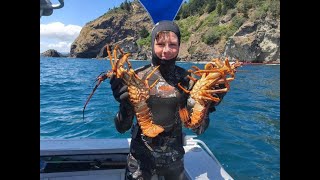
(164, 25)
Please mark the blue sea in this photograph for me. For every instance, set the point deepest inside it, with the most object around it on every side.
(244, 131)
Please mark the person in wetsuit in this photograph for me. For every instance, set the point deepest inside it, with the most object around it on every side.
(163, 154)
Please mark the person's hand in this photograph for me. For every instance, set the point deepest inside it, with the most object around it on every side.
(120, 91)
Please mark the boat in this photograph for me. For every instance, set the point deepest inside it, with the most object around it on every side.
(88, 159)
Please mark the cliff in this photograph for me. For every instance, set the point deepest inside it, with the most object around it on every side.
(114, 26)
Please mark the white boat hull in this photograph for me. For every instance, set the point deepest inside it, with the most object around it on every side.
(88, 159)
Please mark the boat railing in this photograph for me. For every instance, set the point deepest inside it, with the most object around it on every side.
(189, 139)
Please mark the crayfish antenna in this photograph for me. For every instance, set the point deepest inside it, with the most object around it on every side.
(99, 77)
(226, 62)
(121, 51)
(116, 60)
(94, 89)
(110, 57)
(236, 64)
(149, 75)
(83, 114)
(84, 107)
(153, 84)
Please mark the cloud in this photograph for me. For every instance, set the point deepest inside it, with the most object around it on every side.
(58, 36)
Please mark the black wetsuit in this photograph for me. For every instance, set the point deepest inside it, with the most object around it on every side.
(163, 154)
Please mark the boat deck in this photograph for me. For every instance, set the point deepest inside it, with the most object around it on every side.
(105, 159)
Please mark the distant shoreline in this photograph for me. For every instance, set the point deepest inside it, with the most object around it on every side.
(196, 62)
(268, 63)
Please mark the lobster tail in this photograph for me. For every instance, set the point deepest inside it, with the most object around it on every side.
(144, 119)
(198, 113)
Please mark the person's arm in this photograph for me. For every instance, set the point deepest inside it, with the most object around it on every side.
(124, 118)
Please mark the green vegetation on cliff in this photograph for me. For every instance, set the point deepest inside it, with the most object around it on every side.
(219, 19)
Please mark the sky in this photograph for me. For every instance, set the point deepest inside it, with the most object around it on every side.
(62, 27)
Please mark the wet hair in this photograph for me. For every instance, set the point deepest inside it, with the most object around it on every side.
(163, 26)
(162, 34)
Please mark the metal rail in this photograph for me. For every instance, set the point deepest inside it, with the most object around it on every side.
(203, 145)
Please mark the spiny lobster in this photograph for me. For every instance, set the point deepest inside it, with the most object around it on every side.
(215, 72)
(138, 90)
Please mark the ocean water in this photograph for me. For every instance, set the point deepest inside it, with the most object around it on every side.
(244, 131)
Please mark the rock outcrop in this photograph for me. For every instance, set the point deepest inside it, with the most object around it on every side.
(257, 41)
(51, 53)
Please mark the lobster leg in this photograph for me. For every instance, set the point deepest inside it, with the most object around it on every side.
(192, 78)
(222, 81)
(216, 91)
(206, 96)
(226, 83)
(210, 65)
(196, 68)
(208, 71)
(185, 90)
